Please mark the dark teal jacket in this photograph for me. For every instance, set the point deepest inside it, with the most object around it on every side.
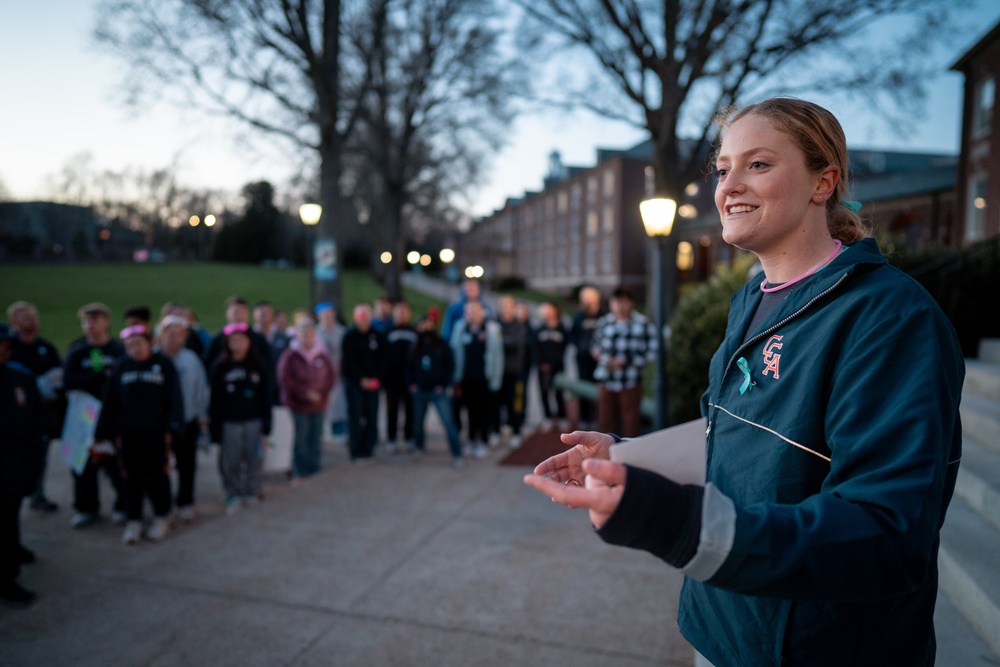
(840, 460)
(833, 445)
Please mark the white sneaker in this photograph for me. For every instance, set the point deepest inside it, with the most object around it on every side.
(233, 505)
(494, 440)
(133, 532)
(514, 442)
(545, 426)
(479, 450)
(186, 513)
(119, 518)
(159, 529)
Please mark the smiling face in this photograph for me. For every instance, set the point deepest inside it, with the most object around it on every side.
(767, 198)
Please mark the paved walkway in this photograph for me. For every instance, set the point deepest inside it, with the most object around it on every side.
(402, 563)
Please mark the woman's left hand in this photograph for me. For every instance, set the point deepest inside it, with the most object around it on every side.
(600, 494)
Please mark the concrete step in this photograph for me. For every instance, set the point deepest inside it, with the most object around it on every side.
(981, 420)
(989, 350)
(969, 564)
(958, 643)
(982, 378)
(979, 480)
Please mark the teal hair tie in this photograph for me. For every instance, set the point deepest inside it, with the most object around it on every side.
(851, 205)
(745, 368)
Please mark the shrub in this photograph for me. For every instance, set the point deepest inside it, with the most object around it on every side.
(698, 326)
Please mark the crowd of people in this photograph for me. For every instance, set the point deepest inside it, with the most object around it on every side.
(160, 388)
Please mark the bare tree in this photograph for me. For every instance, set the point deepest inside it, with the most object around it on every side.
(279, 66)
(668, 65)
(441, 91)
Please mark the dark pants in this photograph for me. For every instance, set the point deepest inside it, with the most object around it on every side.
(10, 540)
(307, 443)
(511, 402)
(585, 367)
(442, 402)
(549, 392)
(480, 404)
(85, 493)
(185, 450)
(362, 417)
(620, 407)
(394, 397)
(144, 456)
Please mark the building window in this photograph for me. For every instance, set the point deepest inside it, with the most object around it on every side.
(607, 257)
(590, 258)
(592, 189)
(975, 217)
(593, 220)
(609, 218)
(574, 228)
(609, 183)
(575, 196)
(982, 111)
(574, 260)
(563, 201)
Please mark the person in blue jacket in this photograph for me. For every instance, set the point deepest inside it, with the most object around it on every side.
(833, 437)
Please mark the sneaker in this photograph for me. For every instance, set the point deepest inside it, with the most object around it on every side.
(17, 594)
(43, 504)
(514, 442)
(159, 529)
(186, 513)
(83, 519)
(494, 440)
(479, 450)
(391, 447)
(545, 426)
(233, 504)
(133, 532)
(119, 518)
(458, 462)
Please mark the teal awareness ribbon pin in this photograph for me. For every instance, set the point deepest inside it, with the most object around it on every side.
(745, 368)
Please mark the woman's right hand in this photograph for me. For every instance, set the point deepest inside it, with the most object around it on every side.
(568, 466)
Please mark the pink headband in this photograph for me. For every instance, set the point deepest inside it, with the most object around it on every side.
(134, 330)
(235, 327)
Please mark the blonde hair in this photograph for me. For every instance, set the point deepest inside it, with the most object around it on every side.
(819, 136)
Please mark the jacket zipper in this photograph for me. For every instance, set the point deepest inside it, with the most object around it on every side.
(780, 324)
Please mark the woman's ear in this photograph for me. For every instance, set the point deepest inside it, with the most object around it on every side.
(826, 185)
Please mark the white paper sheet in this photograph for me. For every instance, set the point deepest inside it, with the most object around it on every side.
(677, 453)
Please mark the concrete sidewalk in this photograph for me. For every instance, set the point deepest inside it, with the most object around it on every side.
(403, 563)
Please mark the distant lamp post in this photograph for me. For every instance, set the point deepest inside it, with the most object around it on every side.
(310, 215)
(658, 218)
(386, 257)
(447, 255)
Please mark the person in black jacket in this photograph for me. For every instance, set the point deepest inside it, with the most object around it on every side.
(239, 415)
(364, 359)
(582, 336)
(42, 359)
(22, 445)
(550, 349)
(399, 340)
(429, 373)
(143, 411)
(88, 366)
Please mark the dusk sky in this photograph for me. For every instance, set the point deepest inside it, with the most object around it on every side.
(60, 92)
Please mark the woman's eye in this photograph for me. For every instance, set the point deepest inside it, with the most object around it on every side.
(721, 173)
(757, 164)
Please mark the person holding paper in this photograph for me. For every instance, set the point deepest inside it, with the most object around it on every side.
(833, 437)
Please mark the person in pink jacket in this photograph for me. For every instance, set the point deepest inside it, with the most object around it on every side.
(306, 376)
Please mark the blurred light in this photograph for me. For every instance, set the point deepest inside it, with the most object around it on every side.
(979, 202)
(105, 234)
(705, 241)
(474, 271)
(425, 260)
(209, 220)
(194, 220)
(447, 255)
(413, 257)
(658, 215)
(687, 211)
(310, 213)
(691, 190)
(685, 256)
(386, 257)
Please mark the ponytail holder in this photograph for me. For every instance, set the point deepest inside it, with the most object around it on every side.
(851, 205)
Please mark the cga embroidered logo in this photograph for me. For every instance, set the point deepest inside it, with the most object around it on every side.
(771, 357)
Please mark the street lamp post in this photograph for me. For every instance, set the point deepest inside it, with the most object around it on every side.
(658, 219)
(310, 215)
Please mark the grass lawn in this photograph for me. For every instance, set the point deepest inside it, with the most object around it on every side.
(58, 290)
